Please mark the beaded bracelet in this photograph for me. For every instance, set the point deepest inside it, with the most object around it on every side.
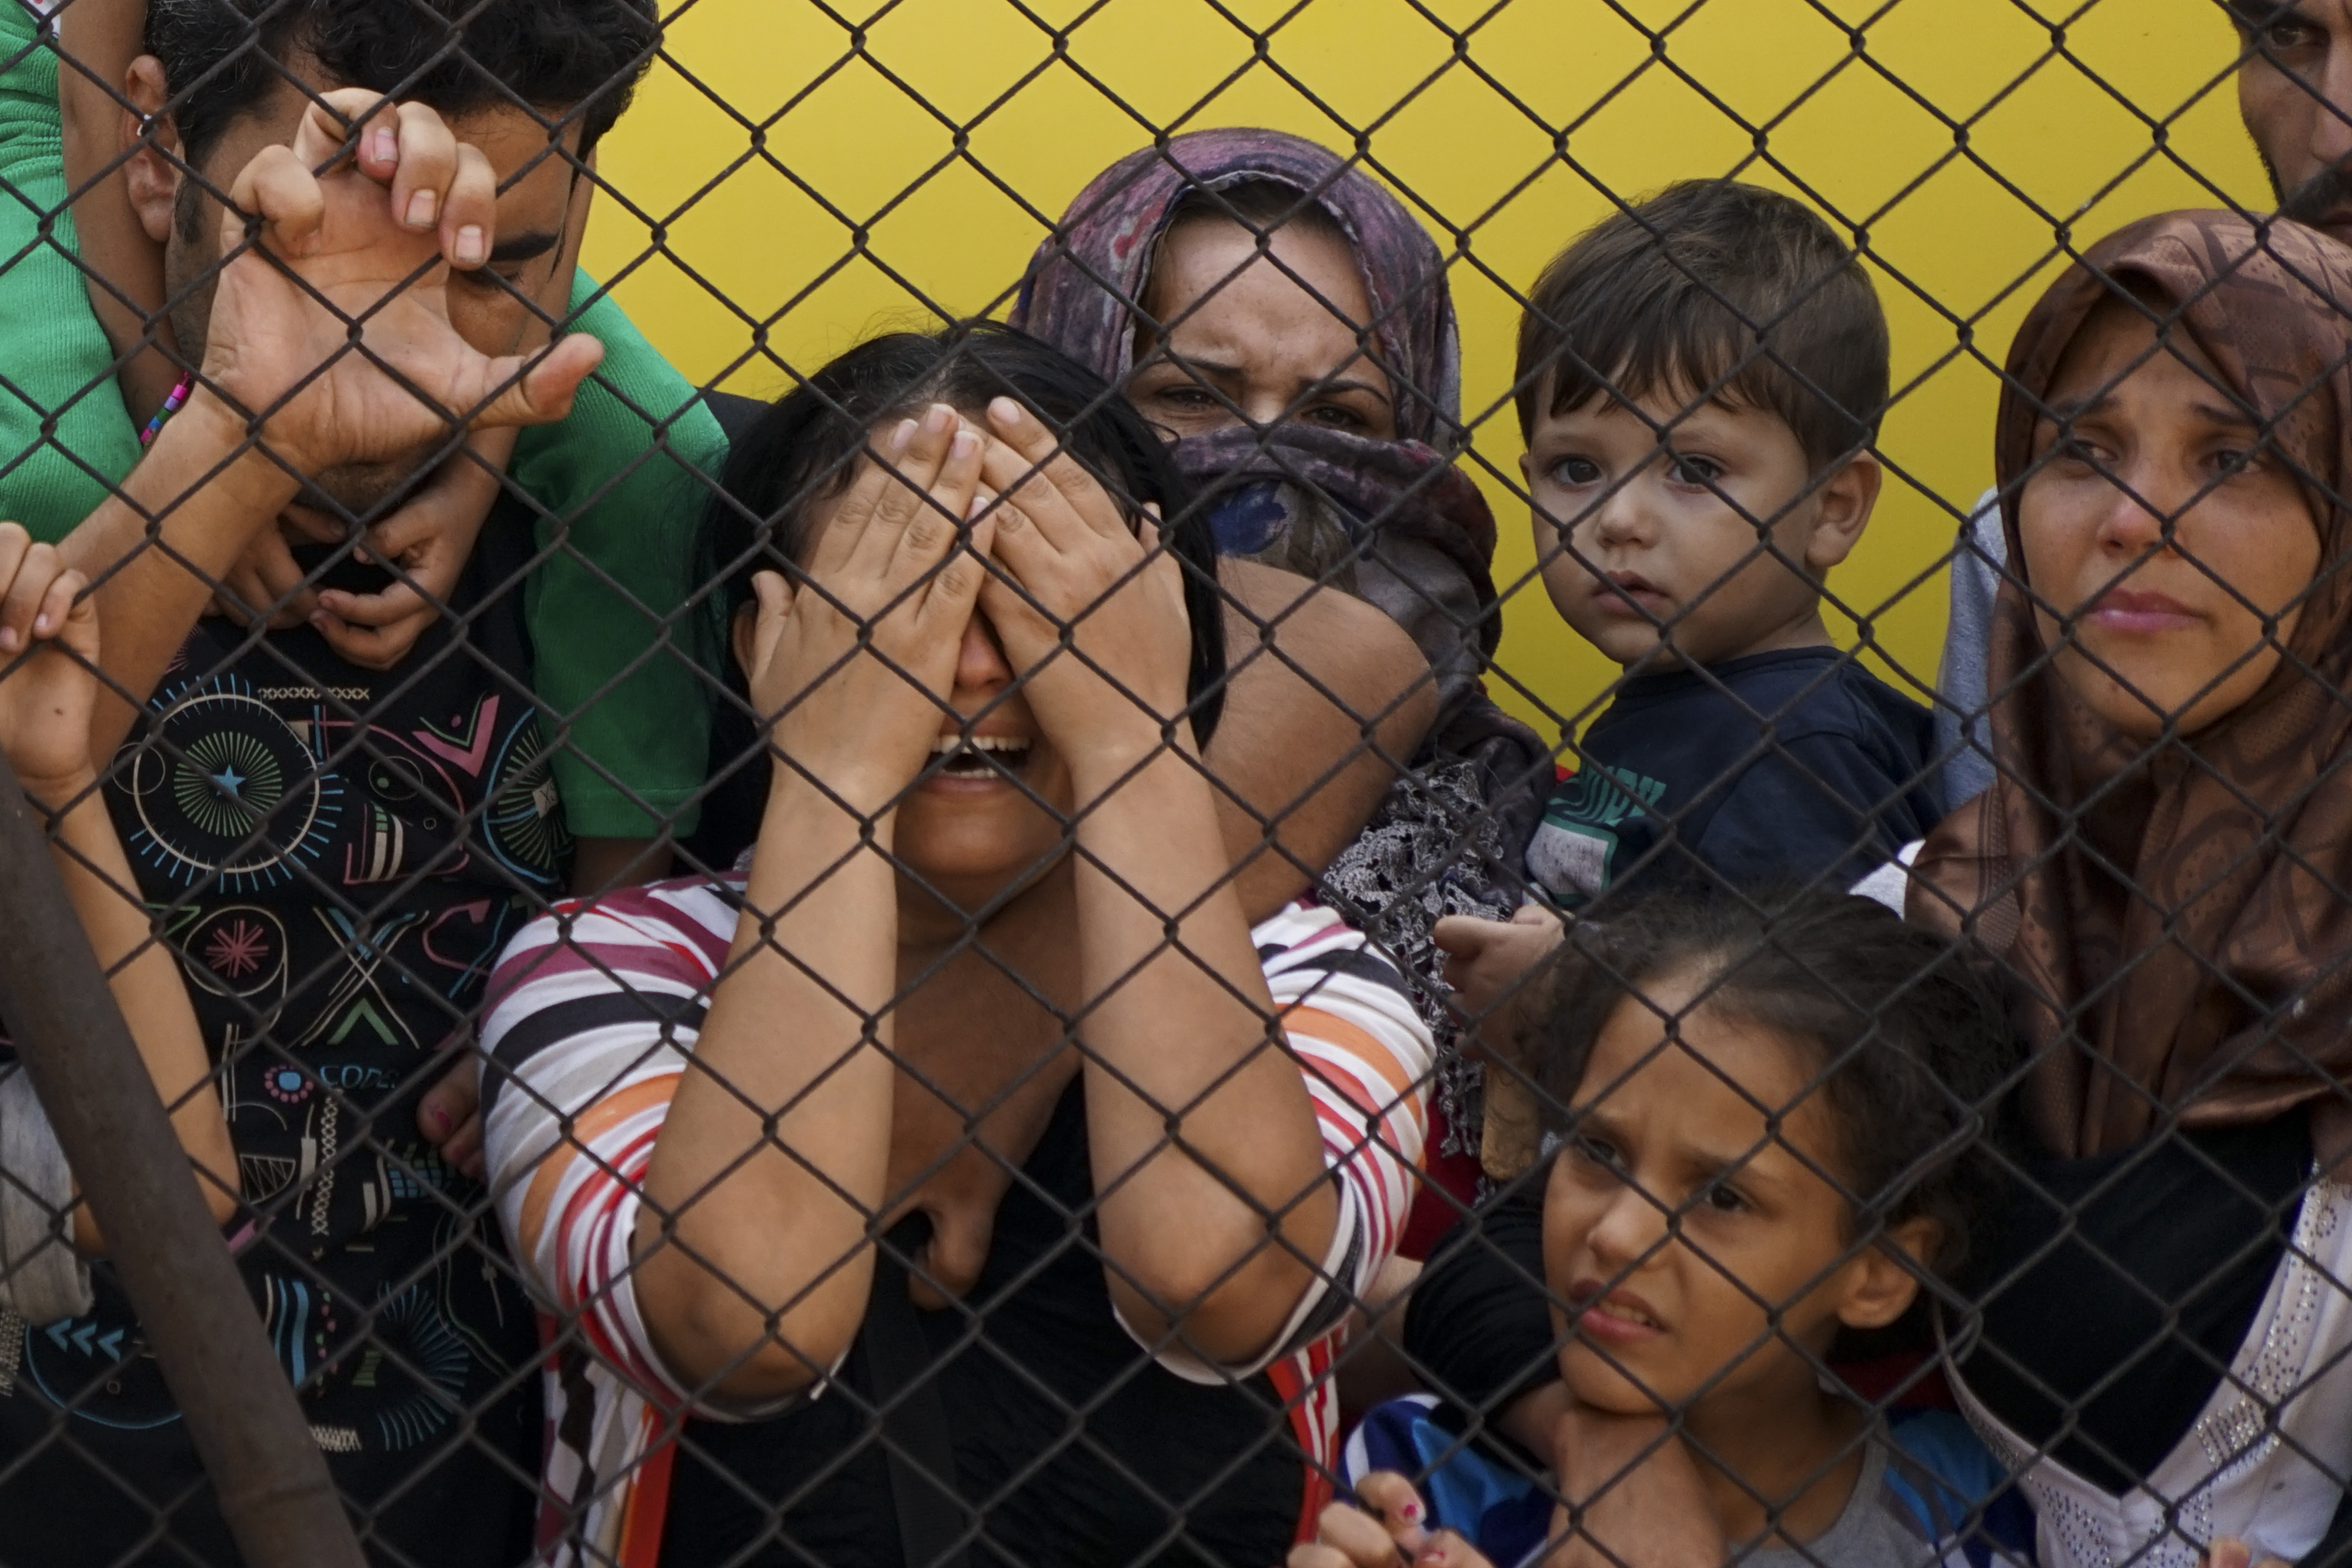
(172, 405)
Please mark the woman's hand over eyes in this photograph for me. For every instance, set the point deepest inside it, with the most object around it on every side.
(1076, 569)
(857, 665)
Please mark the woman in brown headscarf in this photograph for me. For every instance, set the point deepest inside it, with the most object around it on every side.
(2166, 867)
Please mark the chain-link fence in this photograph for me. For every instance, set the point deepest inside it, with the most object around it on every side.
(1175, 783)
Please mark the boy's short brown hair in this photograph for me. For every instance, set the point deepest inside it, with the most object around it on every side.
(1722, 288)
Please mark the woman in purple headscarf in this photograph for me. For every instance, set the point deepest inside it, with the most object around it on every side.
(1286, 324)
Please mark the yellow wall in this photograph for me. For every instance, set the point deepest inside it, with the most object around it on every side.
(754, 258)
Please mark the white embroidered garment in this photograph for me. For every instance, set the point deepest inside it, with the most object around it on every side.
(2260, 1463)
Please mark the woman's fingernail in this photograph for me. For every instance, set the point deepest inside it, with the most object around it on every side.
(440, 1117)
(7, 639)
(937, 418)
(978, 508)
(1410, 1512)
(1004, 410)
(900, 438)
(470, 248)
(41, 625)
(421, 207)
(385, 145)
(964, 445)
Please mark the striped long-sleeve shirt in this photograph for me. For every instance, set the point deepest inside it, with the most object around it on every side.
(597, 1008)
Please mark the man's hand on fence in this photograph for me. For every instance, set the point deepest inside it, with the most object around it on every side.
(363, 251)
(50, 628)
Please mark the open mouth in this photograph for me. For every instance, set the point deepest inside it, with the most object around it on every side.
(980, 756)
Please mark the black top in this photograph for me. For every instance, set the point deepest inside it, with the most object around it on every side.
(1079, 1447)
(2120, 1288)
(1776, 768)
(1478, 1327)
(340, 853)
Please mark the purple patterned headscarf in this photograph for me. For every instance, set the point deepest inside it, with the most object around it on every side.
(1084, 290)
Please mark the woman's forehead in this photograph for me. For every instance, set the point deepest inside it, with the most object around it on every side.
(1203, 258)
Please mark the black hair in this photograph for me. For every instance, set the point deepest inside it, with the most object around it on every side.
(1917, 1051)
(559, 58)
(807, 447)
(1260, 205)
(1713, 284)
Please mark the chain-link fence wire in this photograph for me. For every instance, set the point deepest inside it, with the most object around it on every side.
(972, 1152)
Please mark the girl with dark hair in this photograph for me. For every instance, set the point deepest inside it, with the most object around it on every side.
(973, 1091)
(1285, 323)
(1766, 1135)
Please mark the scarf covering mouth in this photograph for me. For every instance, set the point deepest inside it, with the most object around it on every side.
(1084, 289)
(2180, 935)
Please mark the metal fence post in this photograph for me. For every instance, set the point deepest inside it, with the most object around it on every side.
(193, 1305)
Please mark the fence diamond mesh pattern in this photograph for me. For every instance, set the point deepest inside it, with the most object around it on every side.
(1179, 782)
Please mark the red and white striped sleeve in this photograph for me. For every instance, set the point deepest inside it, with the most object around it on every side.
(1368, 1059)
(593, 1010)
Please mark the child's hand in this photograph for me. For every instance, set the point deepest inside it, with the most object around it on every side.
(46, 694)
(1348, 1537)
(1487, 962)
(2229, 1551)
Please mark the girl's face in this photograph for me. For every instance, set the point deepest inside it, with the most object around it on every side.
(2167, 549)
(1678, 1218)
(985, 812)
(1259, 337)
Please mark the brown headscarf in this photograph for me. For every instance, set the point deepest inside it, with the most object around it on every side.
(2211, 979)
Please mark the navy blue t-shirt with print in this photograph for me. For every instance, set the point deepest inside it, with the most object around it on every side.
(338, 855)
(1791, 767)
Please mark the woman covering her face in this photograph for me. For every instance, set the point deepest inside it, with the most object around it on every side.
(1285, 323)
(983, 990)
(2164, 865)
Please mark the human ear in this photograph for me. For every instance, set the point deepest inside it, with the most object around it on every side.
(1844, 500)
(150, 143)
(1883, 1280)
(742, 636)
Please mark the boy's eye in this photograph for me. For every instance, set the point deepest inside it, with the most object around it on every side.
(1575, 471)
(1700, 471)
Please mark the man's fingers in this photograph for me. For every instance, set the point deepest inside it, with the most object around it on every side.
(323, 136)
(280, 188)
(536, 389)
(425, 159)
(469, 215)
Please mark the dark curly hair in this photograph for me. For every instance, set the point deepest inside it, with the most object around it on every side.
(580, 58)
(1915, 1051)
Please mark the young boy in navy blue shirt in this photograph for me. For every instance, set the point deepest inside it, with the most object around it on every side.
(1700, 379)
